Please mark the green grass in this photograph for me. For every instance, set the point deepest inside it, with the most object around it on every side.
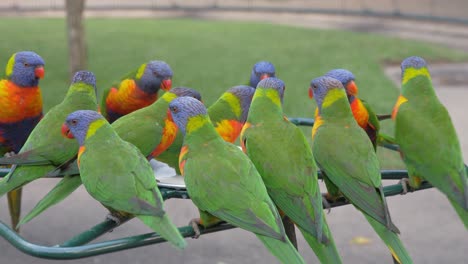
(213, 56)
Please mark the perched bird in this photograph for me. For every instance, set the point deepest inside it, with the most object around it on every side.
(150, 129)
(136, 90)
(20, 110)
(343, 151)
(428, 141)
(45, 147)
(228, 115)
(122, 182)
(362, 112)
(285, 162)
(260, 71)
(224, 184)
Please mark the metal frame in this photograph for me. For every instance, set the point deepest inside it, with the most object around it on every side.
(78, 247)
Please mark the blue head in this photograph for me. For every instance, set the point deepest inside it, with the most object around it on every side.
(347, 80)
(260, 71)
(25, 68)
(157, 75)
(77, 124)
(85, 77)
(183, 108)
(185, 91)
(321, 86)
(244, 93)
(413, 62)
(273, 83)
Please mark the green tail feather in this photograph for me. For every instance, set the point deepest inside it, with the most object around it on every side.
(392, 241)
(22, 175)
(283, 250)
(326, 253)
(62, 190)
(462, 213)
(165, 228)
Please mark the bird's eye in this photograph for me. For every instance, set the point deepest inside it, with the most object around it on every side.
(74, 122)
(174, 109)
(26, 64)
(314, 86)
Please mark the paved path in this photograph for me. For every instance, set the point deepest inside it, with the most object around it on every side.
(430, 228)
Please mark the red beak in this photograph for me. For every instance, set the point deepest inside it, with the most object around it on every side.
(39, 72)
(66, 131)
(166, 84)
(264, 76)
(351, 88)
(311, 93)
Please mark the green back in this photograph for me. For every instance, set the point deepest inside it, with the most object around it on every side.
(144, 127)
(221, 180)
(221, 110)
(343, 150)
(428, 140)
(124, 182)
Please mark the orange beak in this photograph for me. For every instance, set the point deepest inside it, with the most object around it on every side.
(66, 131)
(264, 76)
(351, 88)
(166, 84)
(311, 93)
(39, 72)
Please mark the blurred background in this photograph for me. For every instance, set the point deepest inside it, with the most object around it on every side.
(211, 46)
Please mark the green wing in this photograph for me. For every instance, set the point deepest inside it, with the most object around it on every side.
(125, 183)
(346, 155)
(283, 157)
(230, 188)
(430, 146)
(373, 120)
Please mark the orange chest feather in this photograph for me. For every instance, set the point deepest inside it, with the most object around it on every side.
(128, 98)
(401, 100)
(360, 113)
(183, 151)
(169, 134)
(80, 152)
(19, 103)
(229, 130)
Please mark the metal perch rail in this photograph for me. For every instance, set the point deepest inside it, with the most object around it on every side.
(78, 247)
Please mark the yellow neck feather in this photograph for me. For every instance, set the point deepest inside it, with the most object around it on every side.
(168, 96)
(233, 102)
(332, 96)
(140, 71)
(195, 122)
(271, 94)
(94, 126)
(411, 73)
(10, 64)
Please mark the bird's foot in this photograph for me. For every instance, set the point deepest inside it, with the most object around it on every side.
(9, 154)
(114, 219)
(404, 185)
(194, 223)
(325, 202)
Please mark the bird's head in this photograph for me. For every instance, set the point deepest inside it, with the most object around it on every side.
(25, 68)
(260, 71)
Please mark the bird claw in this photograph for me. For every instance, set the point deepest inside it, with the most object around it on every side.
(9, 154)
(194, 223)
(404, 185)
(325, 202)
(114, 219)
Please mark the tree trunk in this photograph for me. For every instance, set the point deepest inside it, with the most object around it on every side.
(76, 36)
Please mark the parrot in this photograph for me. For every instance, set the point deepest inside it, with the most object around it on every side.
(20, 110)
(150, 129)
(260, 71)
(136, 90)
(117, 174)
(428, 142)
(224, 184)
(228, 115)
(45, 147)
(343, 151)
(280, 152)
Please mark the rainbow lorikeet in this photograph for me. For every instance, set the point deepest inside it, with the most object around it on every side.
(150, 129)
(343, 151)
(45, 147)
(224, 184)
(136, 90)
(428, 141)
(260, 71)
(228, 115)
(20, 110)
(282, 156)
(117, 174)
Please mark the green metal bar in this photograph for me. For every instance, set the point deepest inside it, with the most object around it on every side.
(82, 251)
